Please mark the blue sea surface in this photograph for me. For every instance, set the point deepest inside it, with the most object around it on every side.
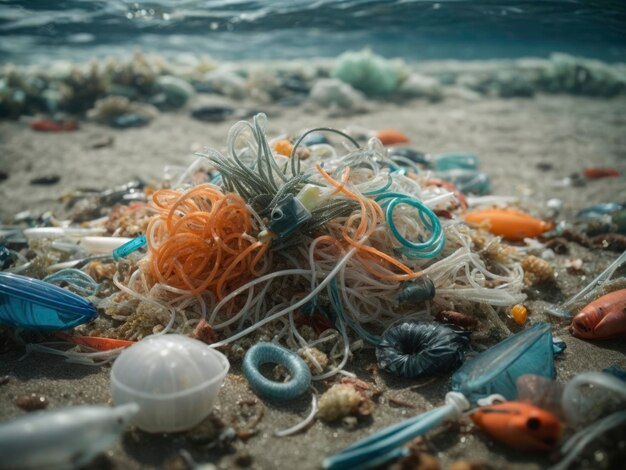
(39, 30)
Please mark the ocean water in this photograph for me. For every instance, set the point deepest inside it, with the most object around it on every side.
(39, 30)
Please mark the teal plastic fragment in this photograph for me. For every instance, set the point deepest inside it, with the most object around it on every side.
(599, 210)
(497, 369)
(453, 161)
(80, 281)
(288, 214)
(467, 181)
(129, 247)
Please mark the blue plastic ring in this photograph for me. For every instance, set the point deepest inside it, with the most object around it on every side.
(433, 246)
(269, 353)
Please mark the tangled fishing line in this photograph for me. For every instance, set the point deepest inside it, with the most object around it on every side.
(316, 249)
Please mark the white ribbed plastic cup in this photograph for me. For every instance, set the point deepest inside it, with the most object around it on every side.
(174, 380)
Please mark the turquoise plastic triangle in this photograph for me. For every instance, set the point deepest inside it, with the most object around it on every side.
(497, 369)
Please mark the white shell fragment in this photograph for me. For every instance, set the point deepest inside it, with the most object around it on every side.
(64, 438)
(174, 379)
(102, 245)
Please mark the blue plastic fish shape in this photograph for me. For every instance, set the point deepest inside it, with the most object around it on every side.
(497, 369)
(33, 304)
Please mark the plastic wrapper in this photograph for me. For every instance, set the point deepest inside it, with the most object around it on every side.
(497, 369)
(592, 395)
(542, 392)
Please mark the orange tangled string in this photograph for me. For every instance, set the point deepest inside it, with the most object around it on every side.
(370, 211)
(201, 241)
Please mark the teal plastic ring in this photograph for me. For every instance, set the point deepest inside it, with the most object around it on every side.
(270, 353)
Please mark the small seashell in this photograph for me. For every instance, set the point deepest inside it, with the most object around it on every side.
(338, 401)
(537, 271)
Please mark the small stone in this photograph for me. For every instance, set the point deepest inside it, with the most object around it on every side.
(102, 142)
(206, 432)
(212, 113)
(243, 459)
(5, 379)
(3, 175)
(558, 246)
(46, 180)
(31, 402)
(544, 166)
(574, 265)
(554, 204)
(349, 423)
(129, 120)
(204, 332)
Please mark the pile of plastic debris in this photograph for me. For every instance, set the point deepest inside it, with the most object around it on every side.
(300, 252)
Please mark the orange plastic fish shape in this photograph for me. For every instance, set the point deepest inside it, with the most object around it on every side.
(96, 342)
(603, 318)
(391, 137)
(519, 425)
(509, 223)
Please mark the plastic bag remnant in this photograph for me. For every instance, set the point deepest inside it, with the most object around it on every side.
(497, 369)
(542, 392)
(414, 349)
(592, 395)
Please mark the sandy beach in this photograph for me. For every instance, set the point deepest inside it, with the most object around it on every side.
(526, 145)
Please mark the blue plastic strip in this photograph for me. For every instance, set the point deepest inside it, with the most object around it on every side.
(129, 247)
(79, 280)
(335, 300)
(370, 450)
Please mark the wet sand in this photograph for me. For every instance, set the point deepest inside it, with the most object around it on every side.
(510, 136)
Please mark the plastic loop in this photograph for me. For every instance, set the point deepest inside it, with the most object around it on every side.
(269, 353)
(428, 249)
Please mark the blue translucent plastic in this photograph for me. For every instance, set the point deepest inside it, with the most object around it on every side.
(335, 300)
(288, 214)
(451, 161)
(467, 181)
(129, 247)
(497, 369)
(414, 156)
(33, 304)
(315, 138)
(80, 281)
(599, 210)
(386, 444)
